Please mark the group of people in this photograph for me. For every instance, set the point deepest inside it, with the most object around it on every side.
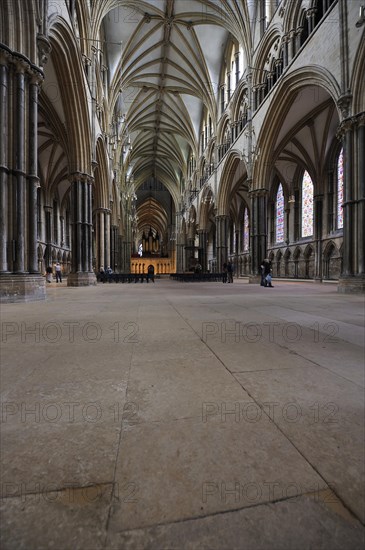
(108, 271)
(58, 272)
(266, 272)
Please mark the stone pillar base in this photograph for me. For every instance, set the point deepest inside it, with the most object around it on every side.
(23, 287)
(254, 279)
(81, 278)
(351, 285)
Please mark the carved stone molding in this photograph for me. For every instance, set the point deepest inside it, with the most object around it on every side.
(344, 103)
(44, 49)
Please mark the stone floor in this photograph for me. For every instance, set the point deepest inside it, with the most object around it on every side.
(183, 416)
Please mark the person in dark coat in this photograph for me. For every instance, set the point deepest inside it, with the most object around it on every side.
(224, 272)
(266, 273)
(230, 272)
(151, 273)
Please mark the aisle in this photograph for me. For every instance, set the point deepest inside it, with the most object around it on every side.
(183, 416)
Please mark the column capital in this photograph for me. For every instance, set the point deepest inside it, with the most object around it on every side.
(310, 12)
(344, 103)
(361, 119)
(346, 126)
(102, 210)
(5, 56)
(258, 192)
(36, 77)
(80, 176)
(44, 49)
(21, 65)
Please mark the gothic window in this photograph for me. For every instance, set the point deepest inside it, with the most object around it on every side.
(340, 190)
(307, 205)
(279, 237)
(246, 231)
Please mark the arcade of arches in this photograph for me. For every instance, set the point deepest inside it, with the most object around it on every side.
(119, 119)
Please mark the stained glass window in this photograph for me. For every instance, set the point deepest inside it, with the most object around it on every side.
(340, 191)
(307, 205)
(246, 231)
(280, 215)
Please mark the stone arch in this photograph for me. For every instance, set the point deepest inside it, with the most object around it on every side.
(278, 261)
(296, 259)
(70, 77)
(357, 80)
(287, 261)
(309, 261)
(242, 95)
(331, 261)
(234, 170)
(205, 207)
(222, 128)
(101, 176)
(285, 94)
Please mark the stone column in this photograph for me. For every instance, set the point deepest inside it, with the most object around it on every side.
(107, 238)
(100, 254)
(353, 269)
(222, 240)
(298, 34)
(189, 252)
(113, 248)
(48, 234)
(81, 226)
(20, 279)
(4, 169)
(179, 254)
(203, 248)
(258, 225)
(290, 225)
(285, 50)
(318, 225)
(291, 44)
(33, 180)
(360, 143)
(19, 189)
(310, 15)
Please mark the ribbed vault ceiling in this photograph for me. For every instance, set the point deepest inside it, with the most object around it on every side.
(172, 54)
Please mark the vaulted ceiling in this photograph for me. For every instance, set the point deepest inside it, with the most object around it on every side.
(164, 62)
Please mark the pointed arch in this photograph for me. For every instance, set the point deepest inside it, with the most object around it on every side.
(73, 92)
(285, 94)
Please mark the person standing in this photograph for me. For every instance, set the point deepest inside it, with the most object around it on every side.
(230, 272)
(49, 272)
(266, 273)
(151, 273)
(58, 273)
(224, 272)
